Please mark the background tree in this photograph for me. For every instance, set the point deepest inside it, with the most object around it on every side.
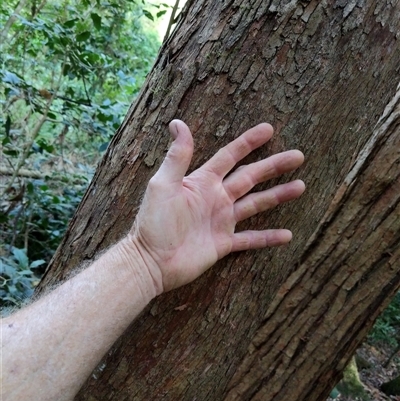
(277, 324)
(65, 87)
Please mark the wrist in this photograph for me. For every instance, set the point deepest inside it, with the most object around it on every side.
(142, 265)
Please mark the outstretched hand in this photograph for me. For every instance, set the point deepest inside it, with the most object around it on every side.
(185, 224)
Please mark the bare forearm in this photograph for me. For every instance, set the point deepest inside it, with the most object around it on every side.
(184, 225)
(86, 316)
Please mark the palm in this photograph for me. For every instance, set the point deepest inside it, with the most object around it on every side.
(187, 223)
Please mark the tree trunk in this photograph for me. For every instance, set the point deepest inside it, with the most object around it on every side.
(282, 323)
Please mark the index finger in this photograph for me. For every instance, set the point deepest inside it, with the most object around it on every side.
(226, 158)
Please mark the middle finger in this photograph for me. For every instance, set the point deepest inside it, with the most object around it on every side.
(245, 178)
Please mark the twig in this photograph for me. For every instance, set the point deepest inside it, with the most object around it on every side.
(22, 172)
(34, 134)
(28, 146)
(171, 21)
(36, 175)
(11, 20)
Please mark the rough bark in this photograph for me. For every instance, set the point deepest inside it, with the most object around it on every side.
(277, 324)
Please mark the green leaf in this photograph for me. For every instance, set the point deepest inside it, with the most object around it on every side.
(104, 117)
(11, 78)
(37, 263)
(82, 37)
(161, 13)
(334, 393)
(21, 257)
(9, 152)
(42, 143)
(30, 187)
(70, 92)
(26, 273)
(6, 141)
(89, 58)
(103, 146)
(147, 14)
(70, 23)
(96, 20)
(66, 70)
(33, 52)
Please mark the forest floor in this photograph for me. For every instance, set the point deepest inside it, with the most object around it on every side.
(373, 372)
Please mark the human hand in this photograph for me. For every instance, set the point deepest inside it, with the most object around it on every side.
(185, 224)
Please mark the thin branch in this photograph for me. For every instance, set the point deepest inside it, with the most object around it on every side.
(37, 175)
(34, 134)
(39, 8)
(11, 20)
(171, 21)
(22, 172)
(86, 92)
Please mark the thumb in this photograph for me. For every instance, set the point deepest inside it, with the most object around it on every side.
(179, 155)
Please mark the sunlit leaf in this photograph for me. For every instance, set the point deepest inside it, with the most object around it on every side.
(21, 257)
(148, 14)
(11, 78)
(37, 263)
(161, 13)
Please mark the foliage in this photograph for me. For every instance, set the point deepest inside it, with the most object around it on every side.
(350, 385)
(17, 277)
(38, 220)
(387, 327)
(79, 64)
(68, 73)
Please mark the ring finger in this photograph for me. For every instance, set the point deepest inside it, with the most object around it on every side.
(260, 201)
